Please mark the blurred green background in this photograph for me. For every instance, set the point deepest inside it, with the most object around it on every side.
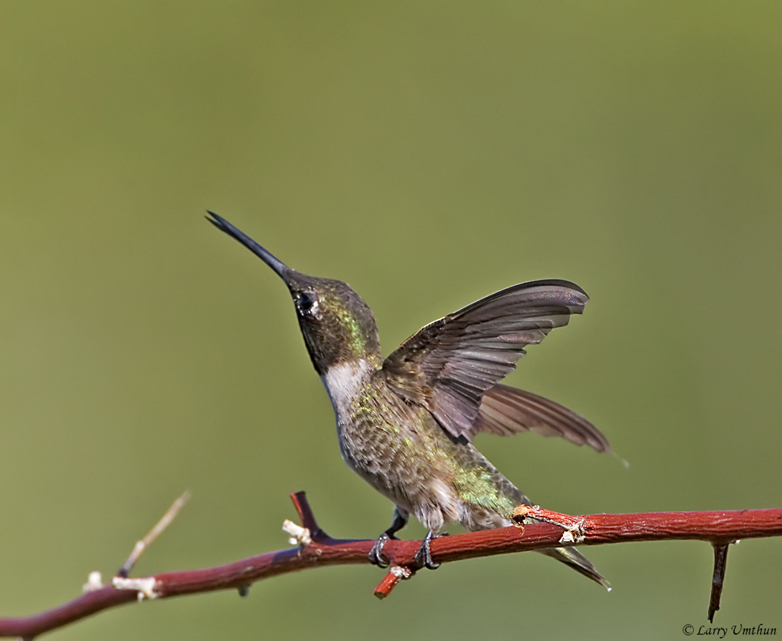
(428, 154)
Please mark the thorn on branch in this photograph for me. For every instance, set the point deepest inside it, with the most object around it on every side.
(155, 532)
(307, 518)
(718, 578)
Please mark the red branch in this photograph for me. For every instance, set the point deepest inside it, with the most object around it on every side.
(719, 528)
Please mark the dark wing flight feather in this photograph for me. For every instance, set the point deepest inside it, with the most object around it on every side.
(507, 411)
(448, 365)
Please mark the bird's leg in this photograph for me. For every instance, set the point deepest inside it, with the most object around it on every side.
(423, 557)
(376, 553)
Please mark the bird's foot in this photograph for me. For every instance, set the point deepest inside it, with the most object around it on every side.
(423, 558)
(376, 553)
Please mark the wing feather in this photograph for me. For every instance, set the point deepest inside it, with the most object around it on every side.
(448, 365)
(507, 411)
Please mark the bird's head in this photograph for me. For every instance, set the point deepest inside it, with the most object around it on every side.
(336, 323)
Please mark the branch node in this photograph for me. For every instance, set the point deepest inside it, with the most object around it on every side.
(299, 535)
(244, 590)
(145, 587)
(94, 582)
(574, 526)
(401, 572)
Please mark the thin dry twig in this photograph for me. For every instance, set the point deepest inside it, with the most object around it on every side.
(155, 532)
(719, 528)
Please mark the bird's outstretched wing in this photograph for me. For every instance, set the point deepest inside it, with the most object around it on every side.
(448, 365)
(507, 411)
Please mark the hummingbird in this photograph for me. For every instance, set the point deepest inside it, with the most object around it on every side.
(405, 423)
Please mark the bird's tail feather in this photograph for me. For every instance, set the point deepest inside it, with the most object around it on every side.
(577, 561)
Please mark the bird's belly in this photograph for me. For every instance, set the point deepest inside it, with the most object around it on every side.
(396, 466)
(419, 474)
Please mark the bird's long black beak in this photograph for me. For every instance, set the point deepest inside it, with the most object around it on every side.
(223, 225)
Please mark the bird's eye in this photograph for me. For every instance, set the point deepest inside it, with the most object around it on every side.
(307, 302)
